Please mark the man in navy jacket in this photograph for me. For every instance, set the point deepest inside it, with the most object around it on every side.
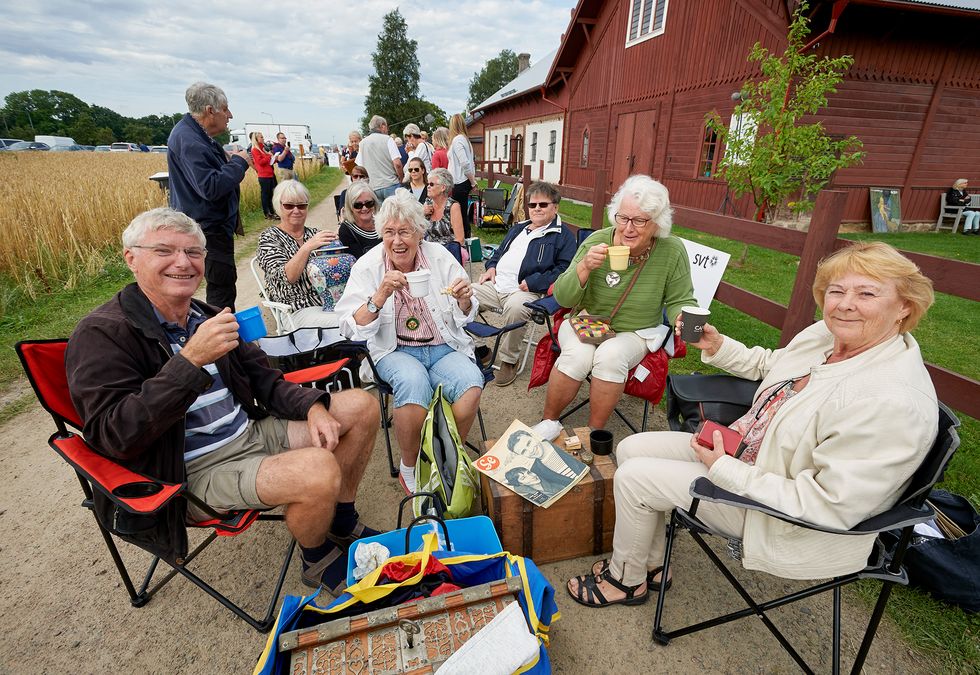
(523, 268)
(204, 184)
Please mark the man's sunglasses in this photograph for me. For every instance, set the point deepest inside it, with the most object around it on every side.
(290, 207)
(539, 205)
(363, 205)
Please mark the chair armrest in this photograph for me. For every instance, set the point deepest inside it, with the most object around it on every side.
(899, 516)
(542, 308)
(315, 373)
(484, 330)
(132, 491)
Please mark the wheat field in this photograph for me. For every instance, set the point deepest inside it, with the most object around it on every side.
(63, 213)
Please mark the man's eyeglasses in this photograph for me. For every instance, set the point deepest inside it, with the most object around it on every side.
(415, 170)
(193, 252)
(638, 223)
(539, 205)
(363, 205)
(290, 207)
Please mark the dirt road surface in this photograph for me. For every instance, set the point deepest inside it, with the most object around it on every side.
(63, 608)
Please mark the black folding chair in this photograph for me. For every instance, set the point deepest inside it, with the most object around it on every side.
(883, 565)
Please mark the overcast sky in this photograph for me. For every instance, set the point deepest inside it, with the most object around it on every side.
(300, 62)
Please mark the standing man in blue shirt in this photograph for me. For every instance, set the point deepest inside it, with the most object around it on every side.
(283, 158)
(205, 184)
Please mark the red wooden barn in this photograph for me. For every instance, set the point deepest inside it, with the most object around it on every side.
(633, 80)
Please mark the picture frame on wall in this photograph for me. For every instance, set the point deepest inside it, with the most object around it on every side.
(886, 209)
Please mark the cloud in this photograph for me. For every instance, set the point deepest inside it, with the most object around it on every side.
(301, 62)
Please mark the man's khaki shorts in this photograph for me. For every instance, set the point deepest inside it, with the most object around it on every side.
(225, 478)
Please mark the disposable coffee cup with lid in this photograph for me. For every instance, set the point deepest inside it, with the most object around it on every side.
(692, 323)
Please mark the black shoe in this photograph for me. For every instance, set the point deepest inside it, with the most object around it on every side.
(485, 354)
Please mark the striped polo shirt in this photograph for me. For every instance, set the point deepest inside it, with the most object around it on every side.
(215, 418)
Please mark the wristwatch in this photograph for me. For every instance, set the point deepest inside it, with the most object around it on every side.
(373, 308)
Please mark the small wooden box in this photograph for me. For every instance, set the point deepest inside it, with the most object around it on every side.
(580, 523)
(378, 641)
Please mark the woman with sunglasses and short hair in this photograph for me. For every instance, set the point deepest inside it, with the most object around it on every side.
(357, 231)
(284, 252)
(416, 179)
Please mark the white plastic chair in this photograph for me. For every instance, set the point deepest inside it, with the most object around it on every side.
(280, 311)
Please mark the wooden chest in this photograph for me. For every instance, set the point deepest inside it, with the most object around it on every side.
(580, 523)
(416, 637)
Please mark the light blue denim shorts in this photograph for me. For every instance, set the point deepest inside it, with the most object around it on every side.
(414, 372)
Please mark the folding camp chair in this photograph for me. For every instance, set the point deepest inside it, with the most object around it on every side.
(44, 364)
(885, 566)
(497, 208)
(280, 311)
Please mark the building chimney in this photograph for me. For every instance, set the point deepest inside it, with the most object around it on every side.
(523, 62)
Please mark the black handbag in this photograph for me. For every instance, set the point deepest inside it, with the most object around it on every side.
(948, 569)
(719, 398)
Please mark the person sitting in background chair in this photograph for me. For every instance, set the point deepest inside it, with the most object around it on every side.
(523, 267)
(444, 213)
(958, 196)
(166, 388)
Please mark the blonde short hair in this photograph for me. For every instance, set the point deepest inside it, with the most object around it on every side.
(881, 262)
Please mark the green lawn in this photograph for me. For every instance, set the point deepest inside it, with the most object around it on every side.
(945, 634)
(55, 314)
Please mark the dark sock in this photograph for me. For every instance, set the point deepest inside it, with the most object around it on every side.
(344, 519)
(315, 554)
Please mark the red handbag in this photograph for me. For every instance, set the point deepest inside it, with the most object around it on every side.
(545, 354)
(653, 385)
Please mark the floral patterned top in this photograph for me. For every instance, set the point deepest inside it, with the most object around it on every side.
(441, 231)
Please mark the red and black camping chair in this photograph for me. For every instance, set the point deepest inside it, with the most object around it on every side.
(137, 494)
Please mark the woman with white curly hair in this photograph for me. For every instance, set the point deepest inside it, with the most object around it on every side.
(641, 217)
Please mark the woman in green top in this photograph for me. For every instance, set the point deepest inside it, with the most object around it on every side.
(641, 217)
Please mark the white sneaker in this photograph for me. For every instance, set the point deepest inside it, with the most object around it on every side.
(549, 430)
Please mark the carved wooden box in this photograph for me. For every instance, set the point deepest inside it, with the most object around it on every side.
(416, 637)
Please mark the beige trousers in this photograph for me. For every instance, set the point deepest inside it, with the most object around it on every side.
(611, 361)
(512, 307)
(655, 472)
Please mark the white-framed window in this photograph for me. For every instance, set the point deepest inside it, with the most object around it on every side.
(534, 146)
(506, 145)
(647, 19)
(496, 140)
(584, 161)
(551, 147)
(741, 131)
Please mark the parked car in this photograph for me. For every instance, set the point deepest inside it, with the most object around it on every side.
(102, 148)
(66, 148)
(124, 147)
(7, 142)
(158, 148)
(27, 145)
(88, 148)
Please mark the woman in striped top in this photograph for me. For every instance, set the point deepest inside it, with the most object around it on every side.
(357, 232)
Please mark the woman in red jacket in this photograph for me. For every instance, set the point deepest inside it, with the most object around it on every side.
(267, 176)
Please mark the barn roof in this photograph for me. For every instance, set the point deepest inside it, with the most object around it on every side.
(531, 79)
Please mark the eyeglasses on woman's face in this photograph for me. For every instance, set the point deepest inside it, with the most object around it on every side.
(358, 176)
(369, 204)
(638, 223)
(290, 207)
(414, 169)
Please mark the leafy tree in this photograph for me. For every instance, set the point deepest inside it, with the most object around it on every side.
(772, 154)
(395, 82)
(499, 70)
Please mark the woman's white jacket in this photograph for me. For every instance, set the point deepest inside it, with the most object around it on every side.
(840, 451)
(365, 278)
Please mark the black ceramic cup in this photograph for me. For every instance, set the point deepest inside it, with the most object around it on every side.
(601, 442)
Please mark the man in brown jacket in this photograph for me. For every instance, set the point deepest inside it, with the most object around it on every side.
(166, 388)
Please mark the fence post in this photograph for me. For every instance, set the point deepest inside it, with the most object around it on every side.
(819, 243)
(526, 179)
(598, 199)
